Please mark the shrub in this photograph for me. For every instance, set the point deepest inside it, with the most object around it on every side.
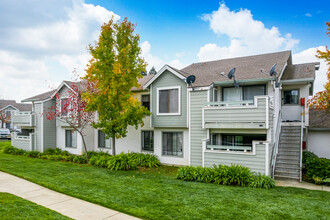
(13, 150)
(318, 167)
(221, 174)
(4, 144)
(34, 154)
(145, 160)
(307, 155)
(100, 160)
(262, 181)
(80, 159)
(122, 162)
(94, 153)
(56, 151)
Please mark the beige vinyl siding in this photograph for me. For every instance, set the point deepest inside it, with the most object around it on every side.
(255, 162)
(197, 133)
(49, 130)
(167, 79)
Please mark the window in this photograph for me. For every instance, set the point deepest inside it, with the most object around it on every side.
(291, 97)
(172, 143)
(145, 100)
(64, 107)
(244, 140)
(168, 101)
(101, 139)
(68, 138)
(148, 140)
(243, 93)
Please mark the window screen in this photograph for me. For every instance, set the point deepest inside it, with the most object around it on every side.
(169, 101)
(172, 143)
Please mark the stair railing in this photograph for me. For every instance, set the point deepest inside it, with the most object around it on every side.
(276, 142)
(301, 139)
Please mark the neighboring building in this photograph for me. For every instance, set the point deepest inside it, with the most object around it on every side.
(319, 133)
(257, 125)
(9, 108)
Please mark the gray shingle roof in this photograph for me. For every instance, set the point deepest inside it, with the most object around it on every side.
(142, 81)
(19, 106)
(40, 97)
(299, 71)
(248, 67)
(319, 119)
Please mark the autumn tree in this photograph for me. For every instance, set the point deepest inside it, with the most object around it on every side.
(321, 100)
(4, 118)
(70, 109)
(114, 69)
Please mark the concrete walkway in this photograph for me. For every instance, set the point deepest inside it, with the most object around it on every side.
(304, 185)
(66, 205)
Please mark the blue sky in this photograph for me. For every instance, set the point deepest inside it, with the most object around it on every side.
(43, 41)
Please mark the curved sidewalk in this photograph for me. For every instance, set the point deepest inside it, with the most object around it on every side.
(63, 204)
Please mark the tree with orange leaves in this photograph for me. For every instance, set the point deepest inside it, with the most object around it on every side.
(321, 100)
(114, 69)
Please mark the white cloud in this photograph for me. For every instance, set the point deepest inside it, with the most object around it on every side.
(247, 36)
(308, 56)
(156, 61)
(308, 15)
(44, 42)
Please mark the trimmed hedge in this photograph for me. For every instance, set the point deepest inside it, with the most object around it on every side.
(236, 175)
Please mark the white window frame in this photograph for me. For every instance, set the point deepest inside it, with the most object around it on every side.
(179, 99)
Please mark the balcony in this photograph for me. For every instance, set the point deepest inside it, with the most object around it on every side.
(247, 114)
(23, 142)
(256, 157)
(24, 119)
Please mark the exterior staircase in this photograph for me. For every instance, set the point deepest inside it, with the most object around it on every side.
(288, 158)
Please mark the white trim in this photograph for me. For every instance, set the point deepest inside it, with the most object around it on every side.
(208, 95)
(285, 65)
(9, 106)
(42, 129)
(189, 128)
(150, 92)
(199, 88)
(267, 113)
(203, 120)
(160, 72)
(179, 100)
(60, 87)
(252, 153)
(267, 159)
(42, 101)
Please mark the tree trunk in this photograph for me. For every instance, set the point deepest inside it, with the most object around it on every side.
(84, 143)
(113, 146)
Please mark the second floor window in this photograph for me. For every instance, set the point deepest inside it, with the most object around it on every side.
(169, 101)
(145, 101)
(291, 97)
(64, 107)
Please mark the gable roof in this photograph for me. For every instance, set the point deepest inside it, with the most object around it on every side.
(319, 119)
(142, 81)
(248, 67)
(12, 103)
(179, 73)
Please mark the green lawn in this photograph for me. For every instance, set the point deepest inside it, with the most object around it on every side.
(157, 194)
(13, 207)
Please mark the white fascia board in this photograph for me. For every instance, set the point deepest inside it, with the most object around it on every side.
(161, 71)
(9, 106)
(60, 87)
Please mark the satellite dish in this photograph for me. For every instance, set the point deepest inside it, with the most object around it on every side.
(231, 75)
(272, 71)
(190, 80)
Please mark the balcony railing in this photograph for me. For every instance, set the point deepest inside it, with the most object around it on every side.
(24, 119)
(247, 114)
(24, 142)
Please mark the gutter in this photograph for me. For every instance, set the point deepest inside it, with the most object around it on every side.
(292, 81)
(219, 83)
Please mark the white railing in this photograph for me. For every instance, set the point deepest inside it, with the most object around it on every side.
(229, 103)
(301, 139)
(23, 113)
(21, 137)
(276, 142)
